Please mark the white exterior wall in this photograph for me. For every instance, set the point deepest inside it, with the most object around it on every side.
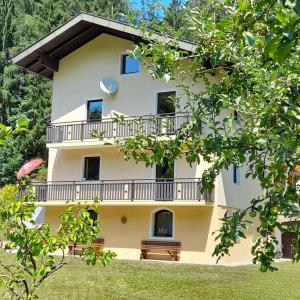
(78, 81)
(81, 71)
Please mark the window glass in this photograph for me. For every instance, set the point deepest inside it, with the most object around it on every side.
(165, 103)
(163, 223)
(94, 108)
(237, 117)
(129, 65)
(92, 168)
(93, 215)
(165, 171)
(236, 174)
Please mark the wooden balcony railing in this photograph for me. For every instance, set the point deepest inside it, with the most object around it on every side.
(131, 190)
(114, 128)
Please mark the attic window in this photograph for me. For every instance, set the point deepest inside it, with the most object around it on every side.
(129, 65)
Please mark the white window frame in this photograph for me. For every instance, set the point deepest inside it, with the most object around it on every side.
(237, 237)
(120, 66)
(82, 166)
(237, 117)
(97, 212)
(236, 174)
(168, 90)
(152, 222)
(87, 100)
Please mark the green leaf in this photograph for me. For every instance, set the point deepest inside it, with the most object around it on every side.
(297, 7)
(22, 122)
(250, 38)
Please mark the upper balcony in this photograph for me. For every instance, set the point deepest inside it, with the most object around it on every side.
(82, 133)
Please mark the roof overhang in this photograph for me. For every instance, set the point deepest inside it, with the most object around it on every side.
(43, 56)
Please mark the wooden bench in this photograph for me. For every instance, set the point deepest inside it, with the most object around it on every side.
(172, 247)
(97, 245)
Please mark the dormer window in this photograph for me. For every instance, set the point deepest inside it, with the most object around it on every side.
(129, 65)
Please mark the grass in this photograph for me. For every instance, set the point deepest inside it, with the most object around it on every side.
(155, 280)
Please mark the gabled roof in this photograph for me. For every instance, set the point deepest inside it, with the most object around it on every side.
(43, 56)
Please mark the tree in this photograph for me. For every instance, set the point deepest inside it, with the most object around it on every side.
(247, 54)
(36, 245)
(25, 94)
(151, 13)
(174, 14)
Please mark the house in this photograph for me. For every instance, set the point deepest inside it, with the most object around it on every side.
(159, 204)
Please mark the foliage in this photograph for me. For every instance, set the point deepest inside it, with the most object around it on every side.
(25, 94)
(36, 245)
(41, 174)
(247, 54)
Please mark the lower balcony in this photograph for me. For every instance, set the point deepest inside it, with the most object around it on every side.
(142, 191)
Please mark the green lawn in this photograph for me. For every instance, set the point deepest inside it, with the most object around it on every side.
(152, 280)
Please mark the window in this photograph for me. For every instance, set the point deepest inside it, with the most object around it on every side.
(94, 110)
(238, 229)
(93, 215)
(166, 170)
(91, 168)
(165, 103)
(236, 174)
(163, 224)
(237, 117)
(165, 181)
(129, 65)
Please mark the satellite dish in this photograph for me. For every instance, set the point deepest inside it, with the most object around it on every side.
(108, 85)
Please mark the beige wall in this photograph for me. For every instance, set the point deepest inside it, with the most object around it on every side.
(78, 80)
(193, 228)
(79, 75)
(67, 165)
(235, 195)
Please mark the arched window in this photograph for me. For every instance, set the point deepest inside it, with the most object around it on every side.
(93, 215)
(163, 224)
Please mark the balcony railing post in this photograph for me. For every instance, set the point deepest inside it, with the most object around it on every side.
(74, 191)
(81, 131)
(132, 190)
(199, 189)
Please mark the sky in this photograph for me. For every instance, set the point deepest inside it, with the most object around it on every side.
(138, 2)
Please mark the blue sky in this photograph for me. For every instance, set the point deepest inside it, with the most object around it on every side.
(138, 2)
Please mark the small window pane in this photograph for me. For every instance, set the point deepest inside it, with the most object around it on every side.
(91, 168)
(130, 65)
(236, 175)
(93, 215)
(165, 103)
(165, 171)
(163, 224)
(94, 110)
(237, 117)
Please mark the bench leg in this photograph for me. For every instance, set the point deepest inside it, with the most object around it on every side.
(70, 250)
(174, 255)
(143, 254)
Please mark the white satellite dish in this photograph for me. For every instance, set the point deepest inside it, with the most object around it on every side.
(108, 85)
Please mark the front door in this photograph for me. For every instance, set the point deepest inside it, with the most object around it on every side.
(165, 181)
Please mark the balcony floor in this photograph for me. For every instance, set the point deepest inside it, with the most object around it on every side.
(154, 203)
